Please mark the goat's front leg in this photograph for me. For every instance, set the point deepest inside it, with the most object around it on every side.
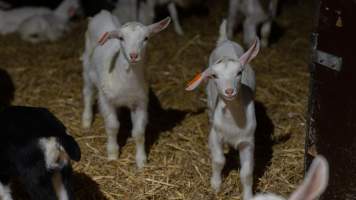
(246, 151)
(174, 14)
(139, 122)
(265, 33)
(88, 97)
(218, 159)
(112, 126)
(233, 20)
(249, 30)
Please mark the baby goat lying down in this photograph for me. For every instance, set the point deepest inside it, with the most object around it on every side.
(49, 26)
(115, 68)
(313, 186)
(230, 93)
(36, 149)
(12, 19)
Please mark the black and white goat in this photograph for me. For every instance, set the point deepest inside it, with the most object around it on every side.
(36, 149)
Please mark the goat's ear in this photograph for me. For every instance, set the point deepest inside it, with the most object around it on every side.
(195, 82)
(159, 26)
(315, 181)
(251, 53)
(72, 11)
(108, 35)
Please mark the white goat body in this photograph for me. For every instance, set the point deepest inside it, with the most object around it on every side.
(50, 26)
(116, 70)
(230, 92)
(126, 10)
(254, 15)
(12, 19)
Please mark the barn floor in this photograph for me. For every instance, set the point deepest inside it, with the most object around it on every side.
(50, 75)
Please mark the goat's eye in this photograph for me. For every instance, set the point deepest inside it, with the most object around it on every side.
(239, 73)
(145, 39)
(214, 76)
(121, 38)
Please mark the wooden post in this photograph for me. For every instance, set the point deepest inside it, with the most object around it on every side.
(332, 105)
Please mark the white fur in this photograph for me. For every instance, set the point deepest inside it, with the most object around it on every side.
(54, 154)
(119, 79)
(126, 10)
(5, 192)
(254, 16)
(231, 107)
(50, 26)
(59, 188)
(12, 19)
(312, 187)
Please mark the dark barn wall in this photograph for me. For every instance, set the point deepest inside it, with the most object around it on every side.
(333, 98)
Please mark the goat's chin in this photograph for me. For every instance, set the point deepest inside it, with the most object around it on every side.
(229, 98)
(134, 61)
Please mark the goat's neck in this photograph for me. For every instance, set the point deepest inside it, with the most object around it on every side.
(126, 67)
(236, 108)
(236, 104)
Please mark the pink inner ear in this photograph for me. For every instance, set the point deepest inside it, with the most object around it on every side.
(251, 53)
(71, 11)
(159, 26)
(103, 38)
(194, 82)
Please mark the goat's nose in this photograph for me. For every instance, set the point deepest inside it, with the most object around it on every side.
(133, 56)
(229, 91)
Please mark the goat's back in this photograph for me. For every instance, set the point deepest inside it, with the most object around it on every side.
(100, 23)
(21, 126)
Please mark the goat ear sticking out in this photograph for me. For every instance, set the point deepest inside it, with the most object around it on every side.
(197, 80)
(106, 36)
(315, 181)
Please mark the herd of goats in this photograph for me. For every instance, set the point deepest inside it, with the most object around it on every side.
(36, 147)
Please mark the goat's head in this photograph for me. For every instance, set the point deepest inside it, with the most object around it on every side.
(133, 37)
(227, 73)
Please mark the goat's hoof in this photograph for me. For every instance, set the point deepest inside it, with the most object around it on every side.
(247, 196)
(113, 156)
(113, 153)
(86, 125)
(264, 43)
(140, 162)
(215, 184)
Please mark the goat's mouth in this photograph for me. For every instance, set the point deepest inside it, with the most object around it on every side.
(229, 98)
(134, 61)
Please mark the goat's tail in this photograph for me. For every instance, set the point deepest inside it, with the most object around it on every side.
(222, 33)
(70, 146)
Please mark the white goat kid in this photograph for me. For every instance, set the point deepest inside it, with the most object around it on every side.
(254, 16)
(230, 93)
(12, 19)
(116, 69)
(49, 26)
(313, 186)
